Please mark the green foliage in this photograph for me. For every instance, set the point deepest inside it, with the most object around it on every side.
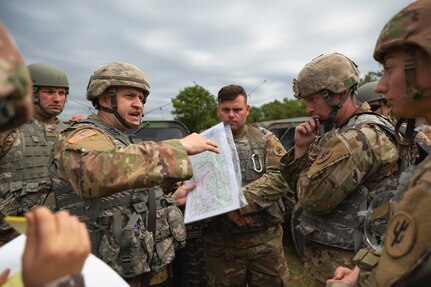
(294, 108)
(196, 108)
(255, 115)
(370, 77)
(277, 110)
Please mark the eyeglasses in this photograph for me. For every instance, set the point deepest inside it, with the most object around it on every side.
(374, 107)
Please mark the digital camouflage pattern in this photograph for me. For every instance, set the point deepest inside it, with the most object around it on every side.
(15, 84)
(24, 175)
(96, 167)
(334, 72)
(225, 241)
(336, 164)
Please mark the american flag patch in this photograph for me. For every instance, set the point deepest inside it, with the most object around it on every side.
(81, 135)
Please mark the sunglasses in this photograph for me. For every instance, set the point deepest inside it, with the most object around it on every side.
(374, 107)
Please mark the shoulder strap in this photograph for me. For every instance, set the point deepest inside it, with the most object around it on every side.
(386, 126)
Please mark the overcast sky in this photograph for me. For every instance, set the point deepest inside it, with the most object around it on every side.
(261, 45)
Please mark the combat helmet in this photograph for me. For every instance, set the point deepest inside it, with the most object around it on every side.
(111, 75)
(409, 28)
(47, 75)
(366, 93)
(330, 73)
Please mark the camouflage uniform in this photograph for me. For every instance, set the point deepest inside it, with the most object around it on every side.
(91, 156)
(15, 85)
(111, 184)
(25, 181)
(405, 259)
(333, 181)
(253, 255)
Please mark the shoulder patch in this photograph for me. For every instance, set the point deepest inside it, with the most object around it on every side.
(400, 235)
(81, 136)
(324, 156)
(279, 151)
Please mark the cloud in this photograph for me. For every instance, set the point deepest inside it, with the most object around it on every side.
(261, 45)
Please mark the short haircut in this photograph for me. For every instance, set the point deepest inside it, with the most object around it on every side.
(231, 92)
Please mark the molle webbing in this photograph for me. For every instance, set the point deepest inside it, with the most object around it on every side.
(27, 162)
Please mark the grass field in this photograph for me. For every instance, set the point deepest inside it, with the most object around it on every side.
(299, 276)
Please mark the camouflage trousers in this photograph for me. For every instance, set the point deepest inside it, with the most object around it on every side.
(322, 260)
(260, 265)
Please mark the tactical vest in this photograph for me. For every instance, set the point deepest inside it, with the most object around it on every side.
(135, 231)
(252, 157)
(344, 228)
(24, 175)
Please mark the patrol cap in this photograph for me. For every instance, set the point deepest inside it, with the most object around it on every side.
(333, 72)
(114, 74)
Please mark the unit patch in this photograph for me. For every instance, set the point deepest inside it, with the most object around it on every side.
(400, 235)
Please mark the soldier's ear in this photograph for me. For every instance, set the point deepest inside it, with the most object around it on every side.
(104, 100)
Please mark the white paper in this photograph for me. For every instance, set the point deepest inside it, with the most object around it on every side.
(96, 272)
(218, 178)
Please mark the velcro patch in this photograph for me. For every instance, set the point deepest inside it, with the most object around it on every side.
(81, 135)
(324, 156)
(400, 235)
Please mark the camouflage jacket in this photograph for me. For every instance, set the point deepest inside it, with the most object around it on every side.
(121, 222)
(338, 162)
(406, 256)
(96, 167)
(353, 157)
(263, 191)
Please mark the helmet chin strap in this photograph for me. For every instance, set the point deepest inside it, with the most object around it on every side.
(413, 89)
(334, 106)
(113, 94)
(43, 110)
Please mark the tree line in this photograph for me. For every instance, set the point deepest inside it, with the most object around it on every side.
(196, 107)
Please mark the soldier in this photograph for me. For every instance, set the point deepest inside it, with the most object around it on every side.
(335, 174)
(377, 102)
(24, 152)
(15, 85)
(404, 49)
(103, 178)
(47, 248)
(245, 246)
